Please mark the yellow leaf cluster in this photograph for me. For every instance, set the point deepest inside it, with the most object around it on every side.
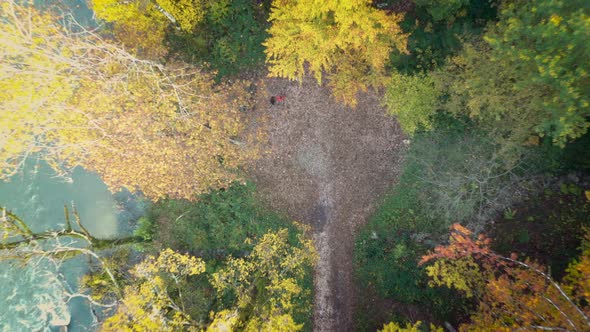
(462, 274)
(147, 305)
(141, 25)
(394, 327)
(137, 24)
(188, 13)
(275, 265)
(350, 40)
(35, 86)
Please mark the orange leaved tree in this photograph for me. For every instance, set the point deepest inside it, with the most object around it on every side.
(512, 294)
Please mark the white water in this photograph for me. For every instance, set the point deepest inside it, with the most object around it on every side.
(38, 197)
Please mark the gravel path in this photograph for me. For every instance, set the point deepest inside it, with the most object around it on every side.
(326, 165)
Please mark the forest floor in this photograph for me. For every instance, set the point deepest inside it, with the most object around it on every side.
(328, 166)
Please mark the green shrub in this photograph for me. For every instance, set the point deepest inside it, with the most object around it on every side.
(386, 260)
(413, 100)
(229, 39)
(222, 222)
(388, 248)
(433, 40)
(145, 229)
(442, 10)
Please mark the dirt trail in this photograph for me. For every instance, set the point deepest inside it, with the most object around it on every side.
(327, 166)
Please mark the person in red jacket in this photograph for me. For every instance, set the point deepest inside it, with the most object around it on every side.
(277, 100)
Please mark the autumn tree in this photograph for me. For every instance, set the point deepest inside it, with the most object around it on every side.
(350, 41)
(266, 285)
(148, 303)
(74, 99)
(511, 294)
(141, 24)
(578, 271)
(263, 287)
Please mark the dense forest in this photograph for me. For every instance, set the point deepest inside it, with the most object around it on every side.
(325, 165)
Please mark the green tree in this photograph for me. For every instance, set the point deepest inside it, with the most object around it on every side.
(442, 9)
(483, 88)
(413, 100)
(229, 39)
(530, 77)
(438, 28)
(547, 41)
(349, 40)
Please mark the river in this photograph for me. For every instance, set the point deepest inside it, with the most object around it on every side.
(38, 197)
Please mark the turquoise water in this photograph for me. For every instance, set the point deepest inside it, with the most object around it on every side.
(79, 9)
(38, 197)
(32, 297)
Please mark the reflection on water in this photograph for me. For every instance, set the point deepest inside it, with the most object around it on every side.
(38, 197)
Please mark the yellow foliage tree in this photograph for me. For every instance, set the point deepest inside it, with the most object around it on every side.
(75, 99)
(147, 305)
(141, 24)
(349, 40)
(265, 284)
(394, 327)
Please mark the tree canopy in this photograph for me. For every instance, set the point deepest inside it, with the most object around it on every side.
(263, 287)
(74, 98)
(511, 294)
(350, 41)
(522, 80)
(141, 25)
(529, 39)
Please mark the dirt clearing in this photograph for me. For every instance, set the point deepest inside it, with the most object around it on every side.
(327, 165)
